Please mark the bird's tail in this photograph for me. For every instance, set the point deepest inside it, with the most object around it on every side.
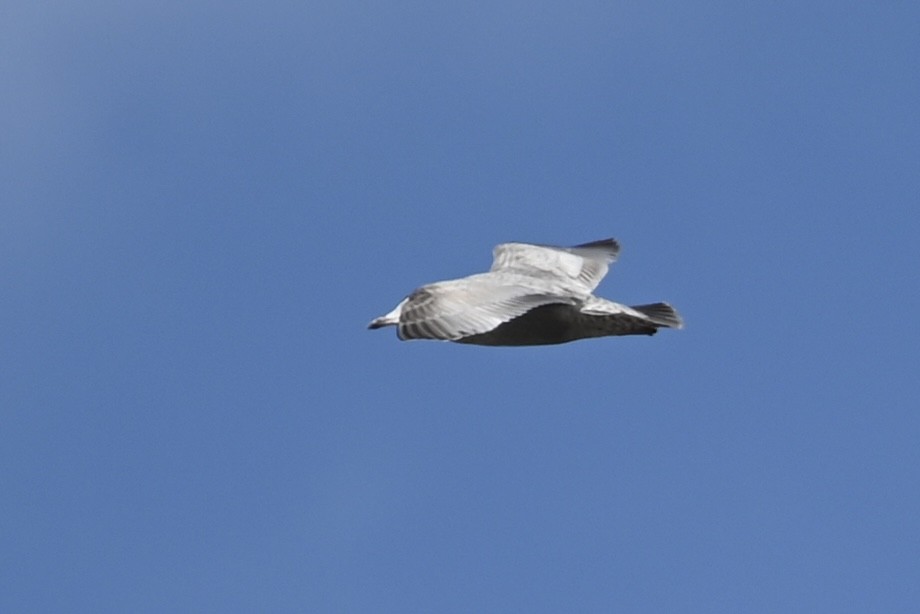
(661, 314)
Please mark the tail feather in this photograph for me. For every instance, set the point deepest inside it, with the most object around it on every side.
(661, 314)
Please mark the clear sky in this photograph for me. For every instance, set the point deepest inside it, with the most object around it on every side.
(203, 204)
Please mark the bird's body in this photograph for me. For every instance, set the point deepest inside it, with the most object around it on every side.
(533, 295)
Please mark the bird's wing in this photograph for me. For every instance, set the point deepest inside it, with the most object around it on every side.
(596, 306)
(618, 319)
(460, 308)
(584, 264)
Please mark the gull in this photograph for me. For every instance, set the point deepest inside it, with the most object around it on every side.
(532, 295)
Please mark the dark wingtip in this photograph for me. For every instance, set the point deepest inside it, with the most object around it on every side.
(611, 242)
(661, 314)
(609, 248)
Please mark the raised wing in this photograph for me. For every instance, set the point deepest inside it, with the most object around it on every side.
(585, 264)
(456, 309)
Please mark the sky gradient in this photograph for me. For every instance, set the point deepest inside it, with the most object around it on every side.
(203, 204)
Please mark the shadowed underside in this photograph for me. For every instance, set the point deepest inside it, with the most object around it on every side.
(533, 295)
(552, 324)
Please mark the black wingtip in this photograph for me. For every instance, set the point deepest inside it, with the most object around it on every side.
(610, 243)
(661, 314)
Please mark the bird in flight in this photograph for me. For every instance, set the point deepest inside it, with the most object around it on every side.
(532, 295)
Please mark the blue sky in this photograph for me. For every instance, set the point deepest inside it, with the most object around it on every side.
(203, 204)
